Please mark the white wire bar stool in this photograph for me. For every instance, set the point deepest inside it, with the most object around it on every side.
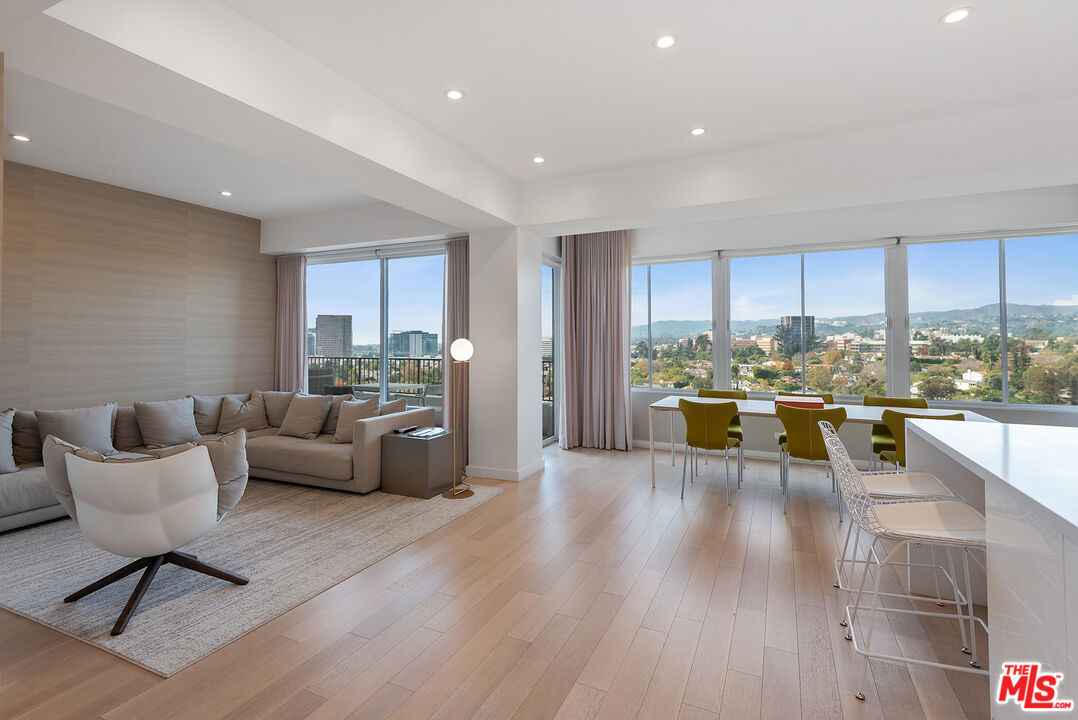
(948, 523)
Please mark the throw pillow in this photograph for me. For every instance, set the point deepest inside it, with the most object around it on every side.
(167, 422)
(228, 455)
(125, 432)
(249, 415)
(277, 403)
(306, 415)
(7, 449)
(352, 410)
(334, 412)
(25, 440)
(84, 427)
(208, 410)
(393, 406)
(53, 454)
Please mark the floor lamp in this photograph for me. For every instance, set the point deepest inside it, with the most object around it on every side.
(461, 352)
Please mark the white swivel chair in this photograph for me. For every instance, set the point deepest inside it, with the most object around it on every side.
(146, 509)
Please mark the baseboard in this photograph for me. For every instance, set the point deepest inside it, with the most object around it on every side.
(504, 474)
(771, 455)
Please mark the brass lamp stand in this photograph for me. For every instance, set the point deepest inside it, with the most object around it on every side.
(461, 351)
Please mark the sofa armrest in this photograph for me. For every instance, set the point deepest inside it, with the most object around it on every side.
(367, 444)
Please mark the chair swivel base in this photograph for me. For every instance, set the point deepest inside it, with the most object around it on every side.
(151, 565)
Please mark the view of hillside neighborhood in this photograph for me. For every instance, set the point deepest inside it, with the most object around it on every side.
(955, 354)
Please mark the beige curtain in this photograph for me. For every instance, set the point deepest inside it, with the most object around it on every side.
(290, 366)
(595, 286)
(455, 385)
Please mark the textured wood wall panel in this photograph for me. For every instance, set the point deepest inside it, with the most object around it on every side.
(114, 295)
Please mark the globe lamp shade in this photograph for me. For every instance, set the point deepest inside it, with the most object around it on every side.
(461, 350)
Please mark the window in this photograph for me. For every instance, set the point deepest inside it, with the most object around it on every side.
(671, 333)
(955, 321)
(763, 291)
(1042, 319)
(550, 282)
(812, 322)
(846, 320)
(351, 349)
(343, 327)
(414, 321)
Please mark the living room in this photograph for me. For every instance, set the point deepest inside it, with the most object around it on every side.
(372, 348)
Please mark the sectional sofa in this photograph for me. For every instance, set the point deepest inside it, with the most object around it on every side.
(340, 459)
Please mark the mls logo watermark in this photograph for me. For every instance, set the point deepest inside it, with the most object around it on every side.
(1030, 689)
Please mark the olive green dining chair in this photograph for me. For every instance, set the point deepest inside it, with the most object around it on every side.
(882, 439)
(804, 440)
(707, 427)
(896, 423)
(828, 399)
(735, 429)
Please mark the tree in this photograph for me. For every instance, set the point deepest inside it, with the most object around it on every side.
(641, 349)
(832, 357)
(936, 387)
(762, 373)
(820, 377)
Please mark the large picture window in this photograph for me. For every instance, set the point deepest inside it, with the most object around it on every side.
(374, 328)
(671, 335)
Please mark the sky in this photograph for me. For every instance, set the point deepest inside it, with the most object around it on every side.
(942, 276)
(352, 288)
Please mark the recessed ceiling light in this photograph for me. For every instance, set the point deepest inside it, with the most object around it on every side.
(454, 94)
(957, 15)
(665, 41)
(226, 193)
(698, 131)
(538, 159)
(20, 138)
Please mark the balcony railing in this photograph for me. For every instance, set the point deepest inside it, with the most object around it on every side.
(548, 380)
(418, 379)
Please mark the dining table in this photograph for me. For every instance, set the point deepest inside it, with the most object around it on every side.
(855, 413)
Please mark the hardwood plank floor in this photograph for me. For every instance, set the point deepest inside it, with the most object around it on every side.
(579, 593)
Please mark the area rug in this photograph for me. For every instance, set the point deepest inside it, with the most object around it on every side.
(292, 542)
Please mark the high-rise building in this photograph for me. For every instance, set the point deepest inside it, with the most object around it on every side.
(547, 348)
(794, 326)
(310, 342)
(333, 336)
(413, 343)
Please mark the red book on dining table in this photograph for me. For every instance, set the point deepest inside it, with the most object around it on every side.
(808, 401)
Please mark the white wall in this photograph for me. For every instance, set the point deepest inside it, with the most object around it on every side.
(370, 223)
(505, 430)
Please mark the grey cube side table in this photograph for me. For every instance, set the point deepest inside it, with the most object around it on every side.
(417, 467)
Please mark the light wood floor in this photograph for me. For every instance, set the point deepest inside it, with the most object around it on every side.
(579, 593)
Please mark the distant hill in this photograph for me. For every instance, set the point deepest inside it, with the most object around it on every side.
(1021, 319)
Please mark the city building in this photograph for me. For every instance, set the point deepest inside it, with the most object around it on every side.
(333, 336)
(546, 347)
(413, 343)
(311, 342)
(796, 326)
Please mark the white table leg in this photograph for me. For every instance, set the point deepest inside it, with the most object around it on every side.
(651, 441)
(673, 460)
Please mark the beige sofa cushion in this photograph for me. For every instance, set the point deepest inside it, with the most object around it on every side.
(393, 406)
(330, 426)
(352, 410)
(167, 422)
(25, 489)
(7, 449)
(125, 432)
(54, 453)
(83, 427)
(250, 415)
(277, 403)
(320, 457)
(208, 410)
(306, 415)
(25, 438)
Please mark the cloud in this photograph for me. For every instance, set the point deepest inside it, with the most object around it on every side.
(1072, 300)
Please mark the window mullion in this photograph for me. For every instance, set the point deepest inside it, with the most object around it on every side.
(804, 337)
(1003, 364)
(383, 321)
(651, 351)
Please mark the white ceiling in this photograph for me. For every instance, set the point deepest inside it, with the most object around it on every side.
(582, 84)
(81, 136)
(809, 106)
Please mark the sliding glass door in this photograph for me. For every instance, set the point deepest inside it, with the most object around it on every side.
(551, 299)
(374, 329)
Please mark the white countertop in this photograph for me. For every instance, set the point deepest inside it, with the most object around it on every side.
(854, 413)
(1038, 461)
